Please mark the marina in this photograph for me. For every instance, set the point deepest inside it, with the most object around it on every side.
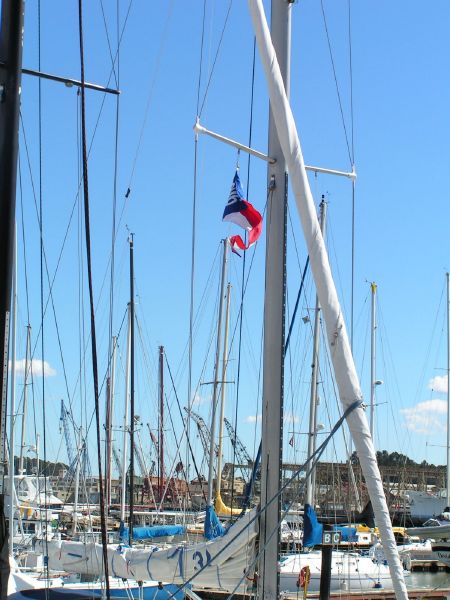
(190, 403)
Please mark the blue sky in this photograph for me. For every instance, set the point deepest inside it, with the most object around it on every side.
(401, 94)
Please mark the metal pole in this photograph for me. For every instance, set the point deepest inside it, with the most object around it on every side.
(222, 392)
(373, 287)
(10, 84)
(312, 433)
(12, 409)
(132, 424)
(161, 426)
(209, 499)
(448, 389)
(325, 570)
(125, 427)
(25, 398)
(274, 323)
(110, 414)
(77, 481)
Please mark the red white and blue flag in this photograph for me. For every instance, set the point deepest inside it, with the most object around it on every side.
(242, 213)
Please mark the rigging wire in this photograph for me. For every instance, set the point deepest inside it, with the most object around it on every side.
(350, 157)
(164, 37)
(202, 45)
(199, 112)
(91, 297)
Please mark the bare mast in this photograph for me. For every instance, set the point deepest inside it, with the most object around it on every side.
(274, 323)
(161, 427)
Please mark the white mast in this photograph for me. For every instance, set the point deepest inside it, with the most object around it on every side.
(448, 389)
(373, 382)
(222, 391)
(274, 316)
(109, 433)
(125, 425)
(312, 433)
(344, 367)
(25, 398)
(13, 400)
(77, 481)
(209, 499)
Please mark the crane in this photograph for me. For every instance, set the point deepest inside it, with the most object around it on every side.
(64, 426)
(204, 433)
(242, 456)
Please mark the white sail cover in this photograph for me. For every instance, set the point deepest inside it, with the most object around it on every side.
(176, 564)
(344, 368)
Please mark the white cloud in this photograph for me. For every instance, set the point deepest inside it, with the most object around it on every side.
(36, 368)
(438, 383)
(290, 418)
(253, 419)
(198, 400)
(426, 417)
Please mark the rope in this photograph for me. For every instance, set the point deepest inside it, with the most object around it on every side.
(199, 113)
(336, 82)
(202, 43)
(91, 298)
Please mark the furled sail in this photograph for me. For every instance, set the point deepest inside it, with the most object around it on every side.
(176, 564)
(344, 368)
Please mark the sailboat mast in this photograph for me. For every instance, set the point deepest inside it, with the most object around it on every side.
(109, 424)
(312, 434)
(209, 499)
(274, 323)
(132, 424)
(373, 382)
(25, 398)
(222, 391)
(161, 426)
(10, 82)
(125, 426)
(12, 409)
(80, 449)
(448, 390)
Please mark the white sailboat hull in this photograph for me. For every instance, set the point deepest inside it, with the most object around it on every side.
(349, 572)
(219, 563)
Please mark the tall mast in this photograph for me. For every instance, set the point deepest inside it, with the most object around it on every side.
(274, 320)
(312, 434)
(161, 426)
(448, 389)
(80, 449)
(12, 409)
(132, 424)
(222, 391)
(109, 422)
(373, 382)
(209, 499)
(125, 426)
(25, 397)
(10, 81)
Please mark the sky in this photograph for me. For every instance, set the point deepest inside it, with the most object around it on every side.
(388, 114)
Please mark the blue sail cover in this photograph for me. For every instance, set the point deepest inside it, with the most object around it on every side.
(312, 529)
(213, 527)
(348, 534)
(148, 533)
